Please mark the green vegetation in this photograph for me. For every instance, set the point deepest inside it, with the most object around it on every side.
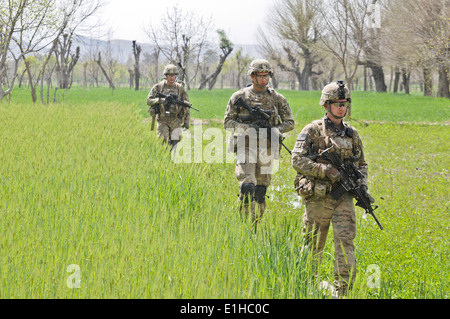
(85, 182)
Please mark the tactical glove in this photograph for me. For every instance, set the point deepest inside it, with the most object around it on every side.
(333, 174)
(366, 193)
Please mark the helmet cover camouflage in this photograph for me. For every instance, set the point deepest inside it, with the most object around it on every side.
(334, 91)
(260, 65)
(170, 69)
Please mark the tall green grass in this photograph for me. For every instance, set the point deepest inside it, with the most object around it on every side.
(366, 106)
(91, 186)
(85, 182)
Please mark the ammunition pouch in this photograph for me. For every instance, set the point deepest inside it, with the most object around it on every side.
(308, 187)
(320, 188)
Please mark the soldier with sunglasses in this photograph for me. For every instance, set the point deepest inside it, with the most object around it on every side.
(316, 178)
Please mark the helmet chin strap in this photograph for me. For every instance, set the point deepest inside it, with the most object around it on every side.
(259, 86)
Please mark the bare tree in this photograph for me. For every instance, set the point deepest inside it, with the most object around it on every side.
(137, 73)
(11, 13)
(151, 62)
(344, 23)
(241, 64)
(182, 38)
(372, 45)
(65, 61)
(416, 34)
(72, 13)
(226, 46)
(33, 27)
(295, 26)
(100, 65)
(36, 31)
(131, 74)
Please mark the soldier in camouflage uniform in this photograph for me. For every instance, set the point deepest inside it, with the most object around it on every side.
(254, 159)
(316, 178)
(171, 117)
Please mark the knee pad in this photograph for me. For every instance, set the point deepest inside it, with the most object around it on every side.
(248, 190)
(260, 194)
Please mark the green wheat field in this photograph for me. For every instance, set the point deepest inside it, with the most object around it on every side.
(93, 206)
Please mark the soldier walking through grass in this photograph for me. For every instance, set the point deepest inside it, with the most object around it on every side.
(256, 140)
(171, 117)
(317, 178)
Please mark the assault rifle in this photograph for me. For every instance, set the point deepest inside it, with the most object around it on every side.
(348, 183)
(170, 99)
(259, 115)
(173, 99)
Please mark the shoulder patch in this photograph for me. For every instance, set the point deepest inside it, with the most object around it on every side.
(302, 137)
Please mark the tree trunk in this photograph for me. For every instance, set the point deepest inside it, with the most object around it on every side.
(305, 75)
(443, 87)
(365, 78)
(396, 79)
(85, 65)
(44, 67)
(406, 76)
(4, 93)
(390, 79)
(211, 80)
(378, 77)
(137, 74)
(307, 71)
(21, 78)
(99, 62)
(30, 81)
(428, 82)
(54, 95)
(131, 72)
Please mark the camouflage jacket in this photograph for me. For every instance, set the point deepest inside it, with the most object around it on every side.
(171, 111)
(269, 100)
(313, 139)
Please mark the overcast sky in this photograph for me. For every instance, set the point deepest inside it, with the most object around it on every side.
(239, 18)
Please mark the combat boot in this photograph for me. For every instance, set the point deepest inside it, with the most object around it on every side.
(247, 199)
(260, 197)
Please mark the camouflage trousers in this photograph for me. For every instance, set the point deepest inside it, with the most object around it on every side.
(253, 166)
(169, 129)
(319, 213)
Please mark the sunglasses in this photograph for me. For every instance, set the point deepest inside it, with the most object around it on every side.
(339, 104)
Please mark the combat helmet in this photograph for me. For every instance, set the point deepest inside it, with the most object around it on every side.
(335, 91)
(170, 69)
(260, 65)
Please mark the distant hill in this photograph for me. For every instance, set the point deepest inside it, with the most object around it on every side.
(122, 49)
